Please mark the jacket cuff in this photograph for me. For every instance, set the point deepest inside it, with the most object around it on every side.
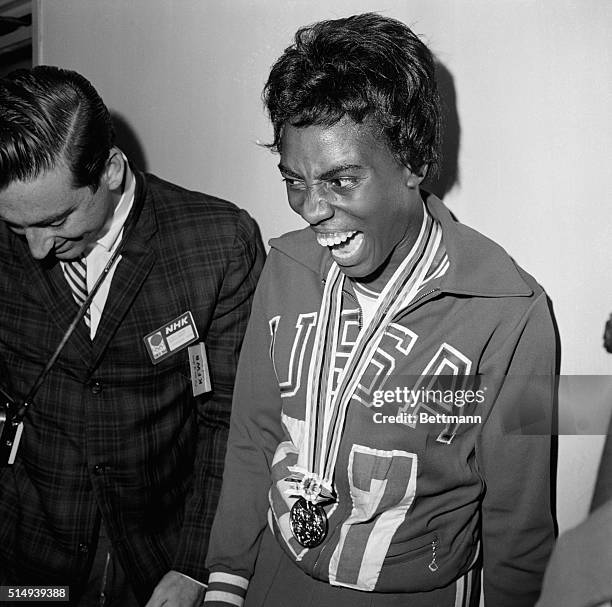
(225, 589)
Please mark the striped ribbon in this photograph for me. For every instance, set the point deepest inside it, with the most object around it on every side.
(326, 408)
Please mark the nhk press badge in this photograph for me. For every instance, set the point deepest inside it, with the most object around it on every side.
(171, 338)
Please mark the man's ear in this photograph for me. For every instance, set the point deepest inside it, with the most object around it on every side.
(114, 169)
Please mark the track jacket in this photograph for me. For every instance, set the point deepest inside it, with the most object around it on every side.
(418, 501)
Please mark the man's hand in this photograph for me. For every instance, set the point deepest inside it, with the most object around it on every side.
(177, 590)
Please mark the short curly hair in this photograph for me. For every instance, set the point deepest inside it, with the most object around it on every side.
(363, 67)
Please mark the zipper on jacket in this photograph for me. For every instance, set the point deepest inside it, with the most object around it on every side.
(419, 299)
(433, 566)
(360, 316)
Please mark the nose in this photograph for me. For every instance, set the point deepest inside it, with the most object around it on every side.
(316, 208)
(40, 241)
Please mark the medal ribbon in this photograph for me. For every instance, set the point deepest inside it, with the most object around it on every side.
(326, 408)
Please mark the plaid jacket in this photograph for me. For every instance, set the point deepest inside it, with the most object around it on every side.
(110, 433)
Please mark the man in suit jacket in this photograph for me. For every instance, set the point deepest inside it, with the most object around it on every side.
(119, 466)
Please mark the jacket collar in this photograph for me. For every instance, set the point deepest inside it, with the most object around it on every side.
(478, 266)
(141, 215)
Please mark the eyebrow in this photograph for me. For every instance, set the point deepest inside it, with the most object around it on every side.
(327, 175)
(45, 222)
(50, 220)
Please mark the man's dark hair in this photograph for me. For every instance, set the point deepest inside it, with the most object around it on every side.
(362, 67)
(50, 115)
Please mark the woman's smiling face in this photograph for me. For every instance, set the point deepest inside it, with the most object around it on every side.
(361, 202)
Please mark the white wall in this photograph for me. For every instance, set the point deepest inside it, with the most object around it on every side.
(533, 85)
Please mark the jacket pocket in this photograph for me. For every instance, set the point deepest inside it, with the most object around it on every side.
(424, 545)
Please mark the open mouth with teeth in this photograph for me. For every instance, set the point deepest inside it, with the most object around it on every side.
(342, 245)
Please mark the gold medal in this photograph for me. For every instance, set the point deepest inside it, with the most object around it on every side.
(308, 523)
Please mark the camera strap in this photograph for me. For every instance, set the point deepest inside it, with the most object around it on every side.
(73, 325)
(11, 421)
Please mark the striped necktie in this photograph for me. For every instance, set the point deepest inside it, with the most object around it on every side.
(76, 274)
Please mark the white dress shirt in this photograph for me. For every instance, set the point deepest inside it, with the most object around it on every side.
(103, 249)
